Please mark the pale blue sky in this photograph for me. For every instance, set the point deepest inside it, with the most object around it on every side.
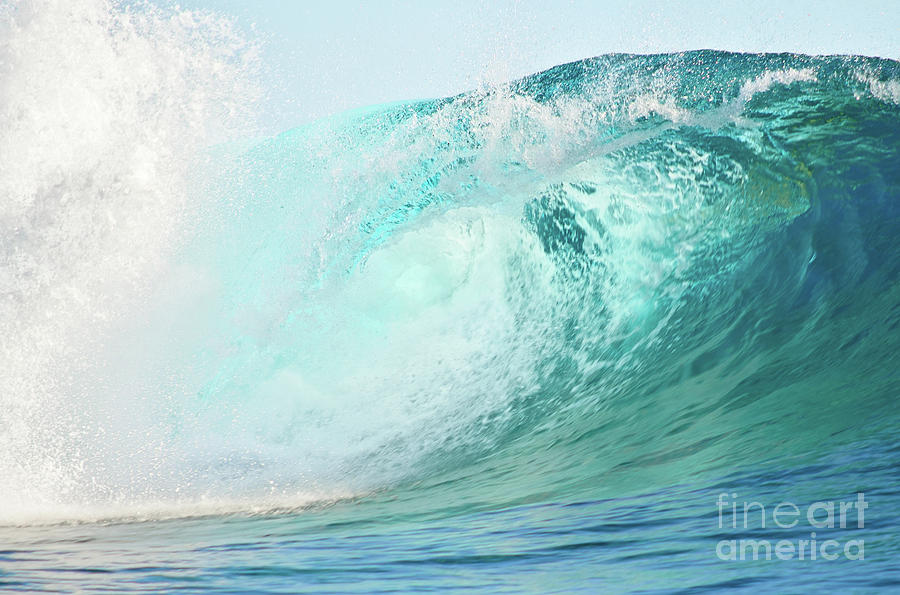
(324, 57)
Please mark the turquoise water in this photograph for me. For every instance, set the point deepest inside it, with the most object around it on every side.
(537, 337)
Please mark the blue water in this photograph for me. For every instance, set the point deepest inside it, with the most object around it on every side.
(539, 337)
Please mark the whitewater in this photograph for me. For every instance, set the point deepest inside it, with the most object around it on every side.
(539, 336)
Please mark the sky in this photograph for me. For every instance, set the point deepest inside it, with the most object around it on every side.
(323, 57)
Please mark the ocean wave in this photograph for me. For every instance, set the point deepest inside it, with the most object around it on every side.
(608, 276)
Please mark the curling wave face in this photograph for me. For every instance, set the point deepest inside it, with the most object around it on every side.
(600, 279)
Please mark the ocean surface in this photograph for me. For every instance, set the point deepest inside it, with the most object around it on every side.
(630, 324)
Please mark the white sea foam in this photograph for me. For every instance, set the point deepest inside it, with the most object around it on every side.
(103, 110)
(885, 90)
(770, 78)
